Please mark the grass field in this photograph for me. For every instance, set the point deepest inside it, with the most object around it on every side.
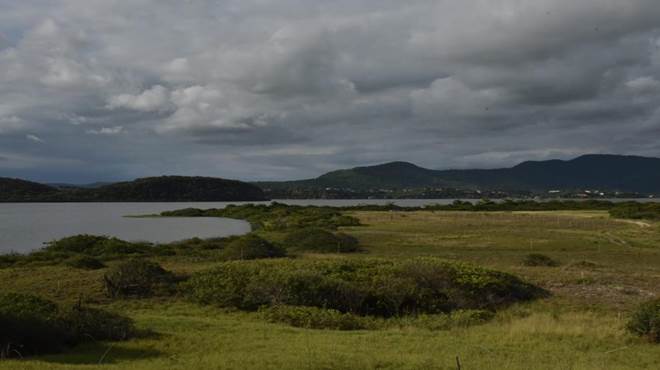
(607, 267)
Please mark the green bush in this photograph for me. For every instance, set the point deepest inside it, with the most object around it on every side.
(645, 321)
(276, 216)
(446, 321)
(635, 210)
(138, 278)
(250, 247)
(97, 246)
(321, 241)
(84, 324)
(378, 287)
(31, 325)
(536, 259)
(85, 263)
(316, 318)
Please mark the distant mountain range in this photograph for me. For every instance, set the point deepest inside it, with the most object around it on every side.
(150, 189)
(630, 174)
(607, 173)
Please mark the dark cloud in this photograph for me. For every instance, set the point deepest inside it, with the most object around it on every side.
(290, 89)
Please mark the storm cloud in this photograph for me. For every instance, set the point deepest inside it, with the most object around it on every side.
(95, 90)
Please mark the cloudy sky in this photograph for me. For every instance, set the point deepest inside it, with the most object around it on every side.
(263, 89)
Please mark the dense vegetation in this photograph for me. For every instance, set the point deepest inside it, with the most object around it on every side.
(320, 241)
(92, 252)
(250, 247)
(151, 189)
(32, 325)
(375, 287)
(138, 278)
(635, 210)
(486, 205)
(276, 216)
(645, 321)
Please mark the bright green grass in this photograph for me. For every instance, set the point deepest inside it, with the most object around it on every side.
(580, 327)
(199, 338)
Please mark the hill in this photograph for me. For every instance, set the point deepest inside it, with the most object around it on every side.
(615, 173)
(150, 189)
(17, 190)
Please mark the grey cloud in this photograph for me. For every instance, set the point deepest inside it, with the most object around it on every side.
(286, 89)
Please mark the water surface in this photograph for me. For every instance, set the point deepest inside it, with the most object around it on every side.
(26, 226)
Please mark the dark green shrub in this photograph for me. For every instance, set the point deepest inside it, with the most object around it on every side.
(138, 278)
(536, 259)
(316, 318)
(321, 241)
(378, 287)
(446, 321)
(635, 210)
(10, 259)
(645, 321)
(29, 326)
(251, 247)
(85, 263)
(97, 246)
(84, 324)
(276, 216)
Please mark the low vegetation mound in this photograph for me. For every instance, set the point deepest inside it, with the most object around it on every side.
(138, 278)
(320, 241)
(31, 325)
(636, 211)
(316, 318)
(377, 287)
(85, 263)
(276, 216)
(537, 259)
(97, 246)
(250, 247)
(645, 321)
(84, 323)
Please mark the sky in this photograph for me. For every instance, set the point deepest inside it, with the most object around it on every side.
(105, 90)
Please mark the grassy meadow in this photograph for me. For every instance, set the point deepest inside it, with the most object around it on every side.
(605, 268)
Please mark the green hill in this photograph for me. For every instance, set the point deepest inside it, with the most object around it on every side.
(17, 190)
(604, 172)
(150, 189)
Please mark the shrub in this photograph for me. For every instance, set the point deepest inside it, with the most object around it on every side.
(138, 278)
(276, 216)
(319, 240)
(536, 259)
(32, 325)
(97, 246)
(85, 263)
(446, 321)
(251, 247)
(84, 324)
(316, 318)
(29, 326)
(645, 321)
(379, 287)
